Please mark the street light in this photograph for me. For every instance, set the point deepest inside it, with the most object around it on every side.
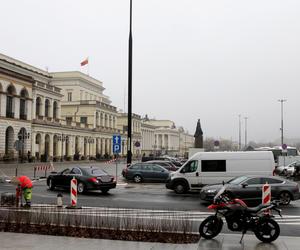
(282, 101)
(240, 143)
(246, 118)
(129, 88)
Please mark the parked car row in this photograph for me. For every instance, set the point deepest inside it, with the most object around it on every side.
(243, 173)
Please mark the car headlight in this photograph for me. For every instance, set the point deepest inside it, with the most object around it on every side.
(210, 191)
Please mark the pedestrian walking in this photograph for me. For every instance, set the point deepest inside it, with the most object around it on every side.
(26, 187)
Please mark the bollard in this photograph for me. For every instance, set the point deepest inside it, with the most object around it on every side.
(59, 200)
(266, 194)
(73, 195)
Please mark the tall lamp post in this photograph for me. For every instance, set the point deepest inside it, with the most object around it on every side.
(282, 101)
(246, 118)
(240, 144)
(129, 154)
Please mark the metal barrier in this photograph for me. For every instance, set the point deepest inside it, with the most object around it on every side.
(42, 168)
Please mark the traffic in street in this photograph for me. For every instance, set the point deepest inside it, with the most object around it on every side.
(153, 198)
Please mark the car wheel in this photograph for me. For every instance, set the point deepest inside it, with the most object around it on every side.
(180, 188)
(104, 190)
(137, 179)
(80, 188)
(285, 198)
(51, 184)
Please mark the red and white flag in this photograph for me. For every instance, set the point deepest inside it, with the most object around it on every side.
(84, 62)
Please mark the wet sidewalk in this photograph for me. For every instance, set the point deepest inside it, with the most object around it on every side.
(18, 241)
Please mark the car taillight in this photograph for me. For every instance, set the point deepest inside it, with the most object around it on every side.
(112, 179)
(93, 179)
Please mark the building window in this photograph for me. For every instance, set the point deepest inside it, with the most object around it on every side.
(69, 120)
(83, 120)
(38, 106)
(47, 106)
(10, 101)
(23, 108)
(55, 110)
(69, 96)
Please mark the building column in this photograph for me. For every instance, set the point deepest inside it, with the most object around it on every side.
(16, 107)
(50, 108)
(58, 148)
(71, 146)
(33, 135)
(63, 148)
(51, 146)
(33, 109)
(42, 144)
(110, 147)
(87, 147)
(94, 147)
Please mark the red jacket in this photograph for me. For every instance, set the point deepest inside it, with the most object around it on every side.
(25, 182)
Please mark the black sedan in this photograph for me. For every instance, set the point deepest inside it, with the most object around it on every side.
(88, 178)
(249, 189)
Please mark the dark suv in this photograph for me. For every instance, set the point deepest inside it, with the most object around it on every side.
(139, 172)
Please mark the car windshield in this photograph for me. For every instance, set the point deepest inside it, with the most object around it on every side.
(237, 180)
(95, 171)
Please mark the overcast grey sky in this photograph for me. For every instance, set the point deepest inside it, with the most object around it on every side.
(192, 59)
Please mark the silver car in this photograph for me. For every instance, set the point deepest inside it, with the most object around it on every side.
(288, 170)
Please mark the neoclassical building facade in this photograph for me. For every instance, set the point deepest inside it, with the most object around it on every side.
(37, 109)
(66, 116)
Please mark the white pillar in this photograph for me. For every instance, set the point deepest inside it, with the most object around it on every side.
(33, 135)
(33, 109)
(51, 145)
(29, 109)
(3, 105)
(16, 107)
(50, 108)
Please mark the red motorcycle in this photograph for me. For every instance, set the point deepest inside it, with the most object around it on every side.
(240, 217)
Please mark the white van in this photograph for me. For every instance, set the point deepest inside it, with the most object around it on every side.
(205, 168)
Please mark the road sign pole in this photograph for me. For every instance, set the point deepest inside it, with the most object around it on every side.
(116, 168)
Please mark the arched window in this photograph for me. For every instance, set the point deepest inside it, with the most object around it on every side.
(55, 110)
(11, 91)
(47, 106)
(38, 106)
(23, 107)
(106, 120)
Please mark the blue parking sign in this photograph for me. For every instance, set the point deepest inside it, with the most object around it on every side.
(117, 142)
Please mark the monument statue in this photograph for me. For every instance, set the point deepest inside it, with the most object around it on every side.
(198, 136)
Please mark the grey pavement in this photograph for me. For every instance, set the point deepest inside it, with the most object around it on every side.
(231, 242)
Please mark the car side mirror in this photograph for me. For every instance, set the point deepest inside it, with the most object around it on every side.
(244, 185)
